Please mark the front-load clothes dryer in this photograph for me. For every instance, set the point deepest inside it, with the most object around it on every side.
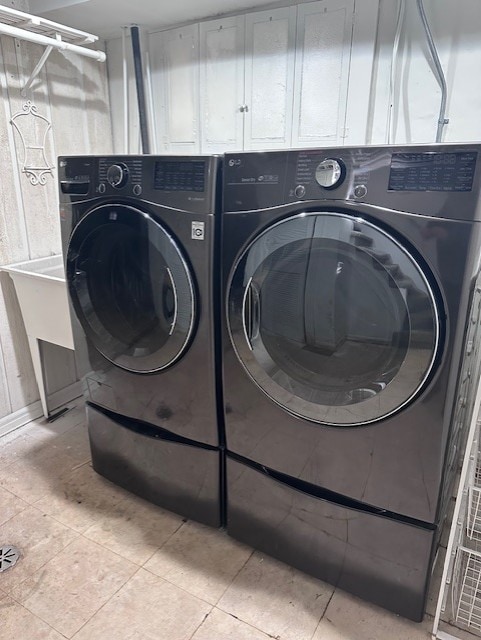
(138, 238)
(347, 283)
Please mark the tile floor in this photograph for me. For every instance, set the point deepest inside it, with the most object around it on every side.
(99, 563)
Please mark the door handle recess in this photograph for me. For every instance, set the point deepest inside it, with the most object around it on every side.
(176, 303)
(251, 312)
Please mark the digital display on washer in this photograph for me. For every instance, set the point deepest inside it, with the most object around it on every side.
(179, 176)
(432, 171)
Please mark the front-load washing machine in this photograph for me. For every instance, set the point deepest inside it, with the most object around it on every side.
(138, 236)
(347, 283)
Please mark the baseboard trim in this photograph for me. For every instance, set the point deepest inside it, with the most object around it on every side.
(442, 635)
(34, 411)
(19, 418)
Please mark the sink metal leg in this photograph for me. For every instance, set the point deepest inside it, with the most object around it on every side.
(34, 345)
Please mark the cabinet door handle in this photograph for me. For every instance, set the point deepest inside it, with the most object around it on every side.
(244, 108)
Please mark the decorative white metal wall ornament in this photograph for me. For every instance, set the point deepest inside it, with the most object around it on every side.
(35, 165)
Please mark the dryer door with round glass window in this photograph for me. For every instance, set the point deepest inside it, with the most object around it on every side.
(333, 319)
(131, 288)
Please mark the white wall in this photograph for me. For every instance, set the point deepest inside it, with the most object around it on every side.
(456, 28)
(71, 92)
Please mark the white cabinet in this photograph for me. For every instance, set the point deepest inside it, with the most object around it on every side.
(295, 76)
(246, 83)
(222, 84)
(324, 31)
(269, 78)
(174, 64)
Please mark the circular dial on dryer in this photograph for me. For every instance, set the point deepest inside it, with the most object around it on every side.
(330, 173)
(117, 175)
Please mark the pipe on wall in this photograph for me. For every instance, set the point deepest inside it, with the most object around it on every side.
(139, 83)
(125, 90)
(442, 120)
(392, 78)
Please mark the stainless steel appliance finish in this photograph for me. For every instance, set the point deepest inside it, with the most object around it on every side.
(347, 281)
(141, 285)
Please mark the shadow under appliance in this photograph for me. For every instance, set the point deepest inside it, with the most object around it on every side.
(347, 281)
(138, 239)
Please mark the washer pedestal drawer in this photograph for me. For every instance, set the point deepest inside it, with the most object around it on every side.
(180, 477)
(379, 559)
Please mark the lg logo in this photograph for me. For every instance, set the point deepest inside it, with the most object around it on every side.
(235, 162)
(197, 231)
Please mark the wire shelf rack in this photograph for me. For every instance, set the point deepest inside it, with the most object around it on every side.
(466, 573)
(462, 567)
(467, 589)
(473, 521)
(477, 473)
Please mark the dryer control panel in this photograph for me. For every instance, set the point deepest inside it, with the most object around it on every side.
(434, 180)
(431, 171)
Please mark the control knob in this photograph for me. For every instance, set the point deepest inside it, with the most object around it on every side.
(360, 190)
(300, 191)
(117, 175)
(330, 173)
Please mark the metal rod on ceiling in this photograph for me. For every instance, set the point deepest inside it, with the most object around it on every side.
(139, 83)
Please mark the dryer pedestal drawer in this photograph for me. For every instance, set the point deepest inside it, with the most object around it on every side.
(377, 558)
(177, 476)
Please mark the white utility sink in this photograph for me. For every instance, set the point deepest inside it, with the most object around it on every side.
(42, 294)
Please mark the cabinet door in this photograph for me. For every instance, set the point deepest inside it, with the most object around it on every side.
(269, 78)
(174, 65)
(324, 32)
(222, 84)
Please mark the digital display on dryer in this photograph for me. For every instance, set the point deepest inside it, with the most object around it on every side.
(432, 171)
(179, 176)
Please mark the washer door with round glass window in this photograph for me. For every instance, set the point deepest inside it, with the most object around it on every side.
(131, 288)
(333, 319)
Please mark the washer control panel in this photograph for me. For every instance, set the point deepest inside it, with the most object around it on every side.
(124, 176)
(180, 175)
(180, 183)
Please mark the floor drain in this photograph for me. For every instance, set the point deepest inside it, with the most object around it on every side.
(8, 557)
